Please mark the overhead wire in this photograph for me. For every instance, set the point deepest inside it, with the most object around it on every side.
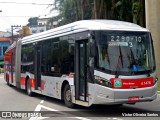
(42, 14)
(17, 16)
(7, 19)
(26, 3)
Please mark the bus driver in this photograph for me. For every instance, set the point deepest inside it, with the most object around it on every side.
(105, 63)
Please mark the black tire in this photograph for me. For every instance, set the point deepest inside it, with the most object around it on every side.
(28, 88)
(68, 97)
(118, 105)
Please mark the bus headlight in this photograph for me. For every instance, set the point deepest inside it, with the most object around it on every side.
(103, 82)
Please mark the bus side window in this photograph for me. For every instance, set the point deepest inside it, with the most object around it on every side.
(27, 58)
(51, 56)
(68, 56)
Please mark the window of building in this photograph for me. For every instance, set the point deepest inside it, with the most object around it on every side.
(0, 51)
(4, 49)
(40, 23)
(41, 30)
(34, 31)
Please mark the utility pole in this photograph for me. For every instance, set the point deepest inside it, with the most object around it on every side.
(13, 29)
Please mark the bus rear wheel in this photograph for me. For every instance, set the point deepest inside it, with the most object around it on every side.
(28, 88)
(68, 96)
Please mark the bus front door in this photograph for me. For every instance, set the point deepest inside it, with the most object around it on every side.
(81, 71)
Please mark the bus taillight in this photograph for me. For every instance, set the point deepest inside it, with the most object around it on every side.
(32, 83)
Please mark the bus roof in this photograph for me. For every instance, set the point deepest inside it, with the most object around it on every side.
(84, 25)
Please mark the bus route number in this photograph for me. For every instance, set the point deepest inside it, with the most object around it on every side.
(126, 38)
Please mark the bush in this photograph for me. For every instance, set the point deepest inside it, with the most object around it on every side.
(1, 70)
(158, 88)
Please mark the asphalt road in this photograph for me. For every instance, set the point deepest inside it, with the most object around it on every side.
(15, 103)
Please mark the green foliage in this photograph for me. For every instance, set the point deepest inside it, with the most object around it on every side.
(124, 10)
(32, 21)
(137, 11)
(73, 10)
(1, 70)
(55, 18)
(27, 49)
(158, 88)
(68, 11)
(137, 8)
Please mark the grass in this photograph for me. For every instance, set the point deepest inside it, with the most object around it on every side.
(158, 88)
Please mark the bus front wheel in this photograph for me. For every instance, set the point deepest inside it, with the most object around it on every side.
(68, 96)
(29, 91)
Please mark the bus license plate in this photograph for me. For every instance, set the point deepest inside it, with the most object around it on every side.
(133, 98)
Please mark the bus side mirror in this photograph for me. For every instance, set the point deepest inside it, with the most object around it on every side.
(92, 49)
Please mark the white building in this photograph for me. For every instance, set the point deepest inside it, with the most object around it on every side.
(43, 23)
(5, 34)
(37, 29)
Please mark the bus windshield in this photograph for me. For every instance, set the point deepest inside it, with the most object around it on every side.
(125, 53)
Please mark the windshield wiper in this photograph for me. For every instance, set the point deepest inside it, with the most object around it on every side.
(134, 62)
(120, 57)
(116, 73)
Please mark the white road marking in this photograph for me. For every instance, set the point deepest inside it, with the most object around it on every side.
(39, 107)
(116, 119)
(80, 118)
(42, 101)
(38, 118)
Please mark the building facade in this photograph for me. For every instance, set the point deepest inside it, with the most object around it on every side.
(37, 29)
(5, 34)
(5, 42)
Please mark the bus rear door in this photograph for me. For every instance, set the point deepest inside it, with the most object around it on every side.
(37, 67)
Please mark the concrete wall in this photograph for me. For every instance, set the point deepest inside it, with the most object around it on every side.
(153, 24)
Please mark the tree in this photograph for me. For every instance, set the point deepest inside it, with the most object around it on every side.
(138, 12)
(126, 10)
(32, 21)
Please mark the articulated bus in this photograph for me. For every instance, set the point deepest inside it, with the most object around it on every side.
(87, 62)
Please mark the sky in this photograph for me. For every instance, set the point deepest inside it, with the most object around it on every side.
(18, 14)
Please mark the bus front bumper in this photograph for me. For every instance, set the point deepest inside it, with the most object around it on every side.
(104, 95)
